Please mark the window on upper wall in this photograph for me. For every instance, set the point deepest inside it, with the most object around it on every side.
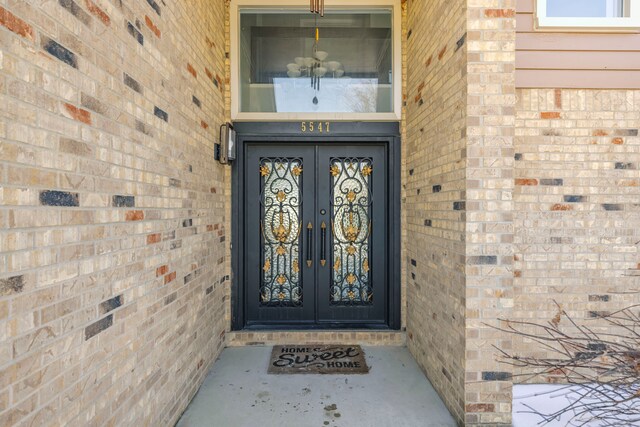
(588, 15)
(289, 64)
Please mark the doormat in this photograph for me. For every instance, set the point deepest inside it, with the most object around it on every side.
(317, 359)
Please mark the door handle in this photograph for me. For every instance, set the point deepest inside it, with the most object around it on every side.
(309, 244)
(323, 243)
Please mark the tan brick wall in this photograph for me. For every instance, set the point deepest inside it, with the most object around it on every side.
(434, 185)
(369, 338)
(576, 197)
(460, 118)
(489, 207)
(113, 236)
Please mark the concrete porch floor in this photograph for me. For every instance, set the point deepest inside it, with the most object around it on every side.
(238, 392)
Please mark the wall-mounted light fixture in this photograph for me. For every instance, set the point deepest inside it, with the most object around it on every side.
(225, 150)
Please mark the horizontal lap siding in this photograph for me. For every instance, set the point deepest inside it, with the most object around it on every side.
(574, 60)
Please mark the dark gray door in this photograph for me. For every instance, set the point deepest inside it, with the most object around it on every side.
(316, 234)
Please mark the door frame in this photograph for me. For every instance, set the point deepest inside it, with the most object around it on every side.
(340, 132)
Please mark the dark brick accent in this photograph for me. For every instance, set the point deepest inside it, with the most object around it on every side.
(134, 216)
(170, 277)
(141, 127)
(459, 206)
(73, 8)
(597, 346)
(209, 290)
(526, 181)
(58, 198)
(626, 132)
(161, 114)
(621, 165)
(574, 199)
(196, 101)
(162, 270)
(409, 34)
(561, 207)
(518, 156)
(135, 33)
(72, 146)
(175, 182)
(110, 304)
(187, 223)
(170, 298)
(59, 51)
(428, 223)
(586, 355)
(15, 24)
(437, 188)
(78, 114)
(97, 327)
(93, 104)
(132, 83)
(410, 172)
(612, 207)
(124, 201)
(598, 314)
(604, 298)
(97, 12)
(176, 244)
(553, 182)
(154, 6)
(480, 407)
(483, 260)
(496, 376)
(461, 41)
(11, 285)
(414, 263)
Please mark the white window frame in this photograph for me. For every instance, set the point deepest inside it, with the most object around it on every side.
(303, 5)
(630, 23)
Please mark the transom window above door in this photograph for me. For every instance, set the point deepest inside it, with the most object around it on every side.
(290, 64)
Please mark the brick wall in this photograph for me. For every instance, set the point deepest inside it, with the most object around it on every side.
(459, 155)
(577, 190)
(489, 207)
(112, 225)
(434, 193)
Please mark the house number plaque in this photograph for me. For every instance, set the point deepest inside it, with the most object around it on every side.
(315, 127)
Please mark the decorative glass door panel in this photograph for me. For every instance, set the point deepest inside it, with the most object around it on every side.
(281, 227)
(316, 234)
(351, 203)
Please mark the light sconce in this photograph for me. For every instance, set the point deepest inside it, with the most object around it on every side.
(225, 150)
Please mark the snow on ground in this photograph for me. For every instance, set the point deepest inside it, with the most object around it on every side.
(550, 398)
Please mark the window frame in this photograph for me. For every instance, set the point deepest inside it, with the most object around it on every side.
(629, 23)
(303, 5)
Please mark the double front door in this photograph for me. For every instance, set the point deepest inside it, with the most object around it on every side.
(316, 231)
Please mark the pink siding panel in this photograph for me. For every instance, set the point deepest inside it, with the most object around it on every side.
(584, 60)
(574, 60)
(578, 79)
(578, 42)
(525, 6)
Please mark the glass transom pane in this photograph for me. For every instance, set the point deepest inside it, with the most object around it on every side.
(586, 8)
(284, 70)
